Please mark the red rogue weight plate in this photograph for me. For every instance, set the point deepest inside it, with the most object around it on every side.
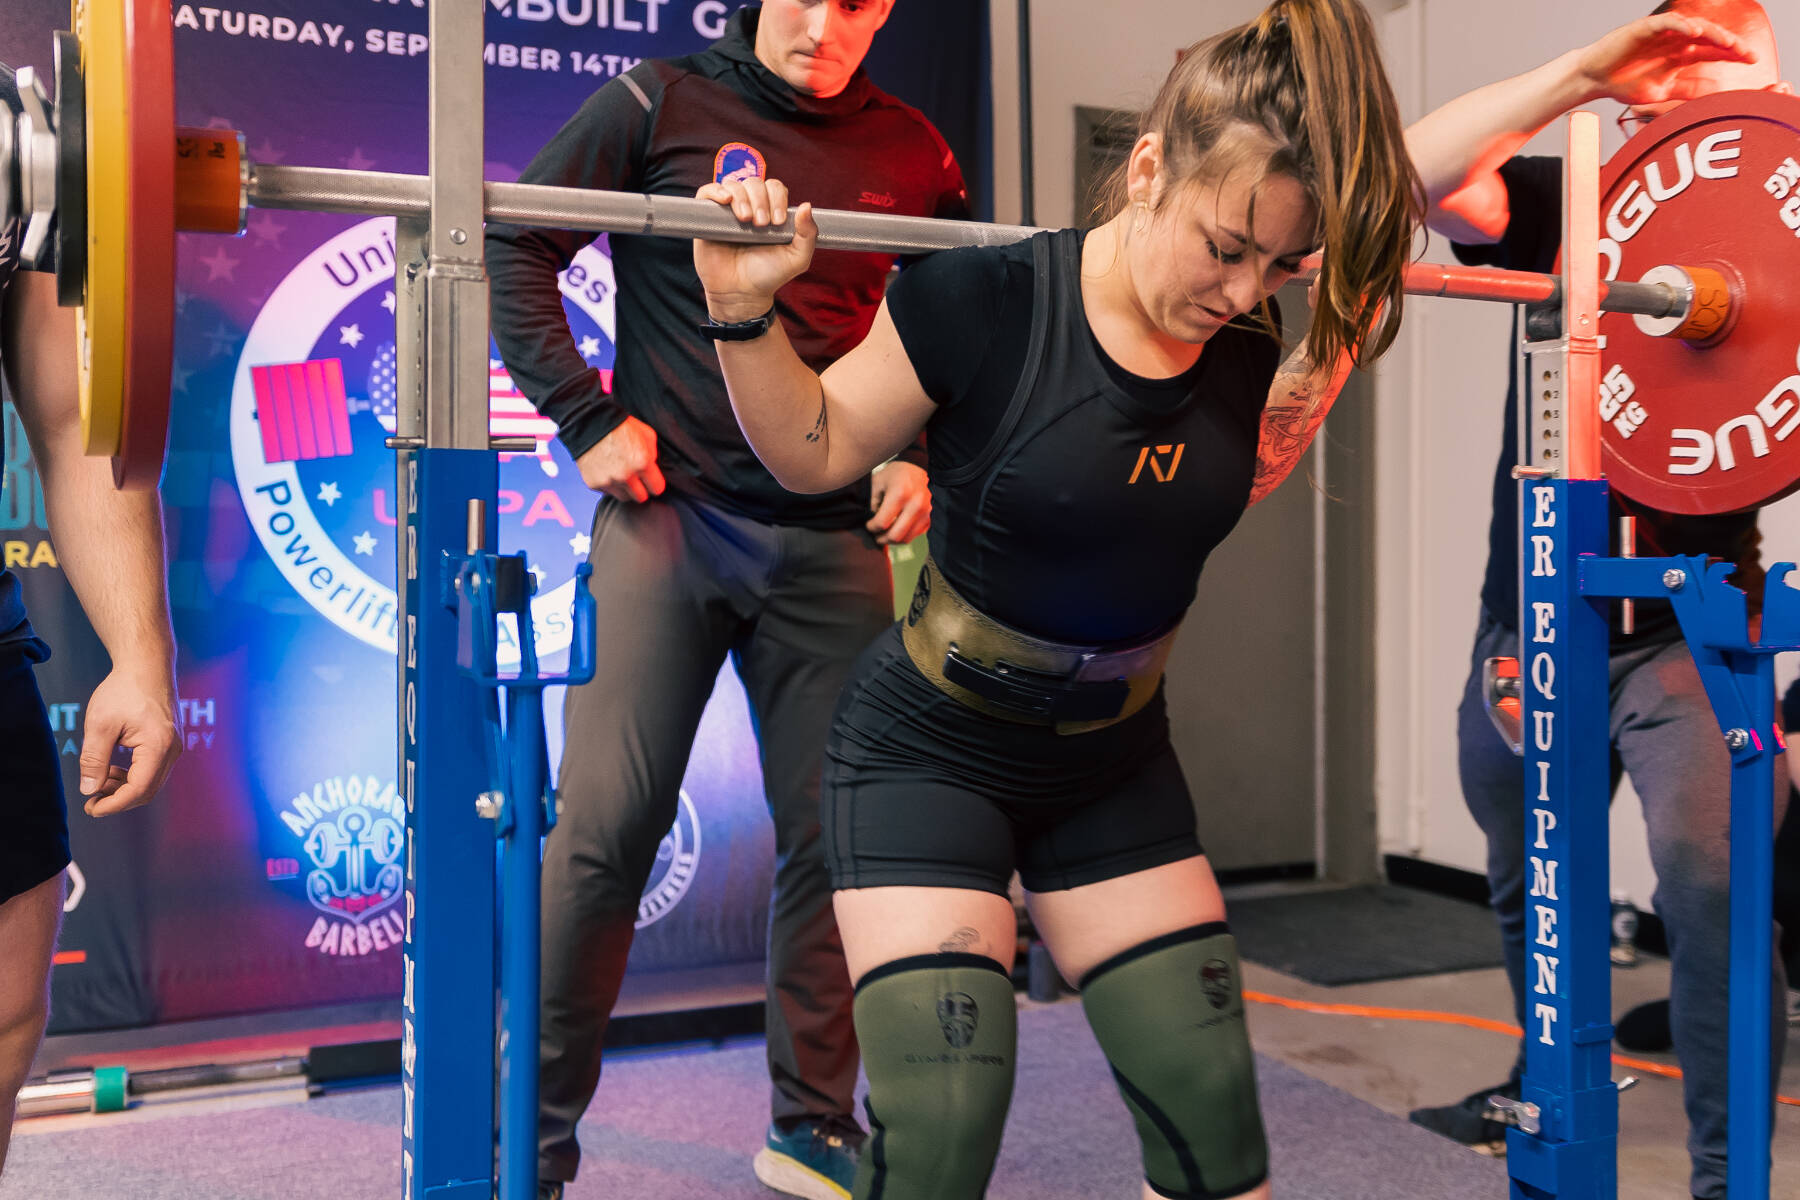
(150, 279)
(1707, 428)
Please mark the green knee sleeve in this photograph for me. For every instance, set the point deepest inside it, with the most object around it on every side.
(1169, 1015)
(938, 1035)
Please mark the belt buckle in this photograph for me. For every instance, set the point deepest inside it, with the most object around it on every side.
(1038, 694)
(1004, 684)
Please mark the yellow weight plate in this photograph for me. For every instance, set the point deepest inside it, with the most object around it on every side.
(100, 27)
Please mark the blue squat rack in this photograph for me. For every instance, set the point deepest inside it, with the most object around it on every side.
(1564, 1144)
(453, 735)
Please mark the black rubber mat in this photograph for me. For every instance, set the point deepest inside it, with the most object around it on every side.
(1364, 934)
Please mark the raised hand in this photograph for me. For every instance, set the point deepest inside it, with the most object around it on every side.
(1641, 63)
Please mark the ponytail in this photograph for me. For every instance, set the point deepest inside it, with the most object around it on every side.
(1300, 91)
(1368, 193)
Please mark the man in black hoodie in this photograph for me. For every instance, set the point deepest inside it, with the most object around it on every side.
(698, 552)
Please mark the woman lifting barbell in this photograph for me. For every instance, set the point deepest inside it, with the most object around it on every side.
(1101, 408)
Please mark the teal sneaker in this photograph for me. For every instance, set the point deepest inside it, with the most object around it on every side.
(815, 1159)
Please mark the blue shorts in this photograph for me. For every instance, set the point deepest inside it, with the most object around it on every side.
(35, 846)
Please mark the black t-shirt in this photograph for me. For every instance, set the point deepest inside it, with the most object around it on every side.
(665, 128)
(15, 630)
(1071, 499)
(1532, 240)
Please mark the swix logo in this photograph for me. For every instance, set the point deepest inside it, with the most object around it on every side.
(879, 199)
(1156, 457)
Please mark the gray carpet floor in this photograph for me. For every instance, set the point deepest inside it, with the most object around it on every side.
(1400, 932)
(682, 1124)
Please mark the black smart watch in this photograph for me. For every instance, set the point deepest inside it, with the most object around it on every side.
(739, 331)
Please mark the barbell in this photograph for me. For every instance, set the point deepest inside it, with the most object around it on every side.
(1703, 205)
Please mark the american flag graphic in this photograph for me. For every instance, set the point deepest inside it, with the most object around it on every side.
(301, 410)
(304, 413)
(509, 413)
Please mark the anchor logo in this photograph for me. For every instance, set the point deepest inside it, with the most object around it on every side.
(356, 871)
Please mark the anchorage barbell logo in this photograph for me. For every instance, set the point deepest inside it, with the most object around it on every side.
(352, 832)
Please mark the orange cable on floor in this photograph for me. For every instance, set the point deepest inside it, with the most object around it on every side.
(1444, 1018)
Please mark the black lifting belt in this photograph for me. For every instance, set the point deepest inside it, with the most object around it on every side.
(1000, 671)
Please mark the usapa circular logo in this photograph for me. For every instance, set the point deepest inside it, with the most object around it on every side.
(313, 402)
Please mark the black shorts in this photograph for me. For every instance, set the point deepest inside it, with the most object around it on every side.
(921, 790)
(35, 844)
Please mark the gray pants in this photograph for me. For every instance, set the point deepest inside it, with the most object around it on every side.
(1665, 735)
(678, 585)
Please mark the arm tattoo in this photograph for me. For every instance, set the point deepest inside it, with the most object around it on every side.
(1299, 398)
(817, 432)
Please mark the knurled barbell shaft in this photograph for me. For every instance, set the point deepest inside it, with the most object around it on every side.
(372, 193)
(324, 189)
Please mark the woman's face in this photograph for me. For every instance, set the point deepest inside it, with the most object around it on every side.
(1197, 263)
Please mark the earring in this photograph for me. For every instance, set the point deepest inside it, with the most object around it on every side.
(1143, 215)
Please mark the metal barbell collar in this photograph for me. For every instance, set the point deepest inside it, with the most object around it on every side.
(34, 151)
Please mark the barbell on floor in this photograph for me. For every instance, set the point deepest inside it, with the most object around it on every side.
(104, 180)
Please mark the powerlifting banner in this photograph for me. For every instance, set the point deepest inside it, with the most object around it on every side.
(267, 875)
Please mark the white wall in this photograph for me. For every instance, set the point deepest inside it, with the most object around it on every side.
(1439, 391)
(1082, 53)
(1440, 395)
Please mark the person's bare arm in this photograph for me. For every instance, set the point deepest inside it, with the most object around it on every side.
(110, 544)
(1299, 398)
(1459, 147)
(815, 433)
